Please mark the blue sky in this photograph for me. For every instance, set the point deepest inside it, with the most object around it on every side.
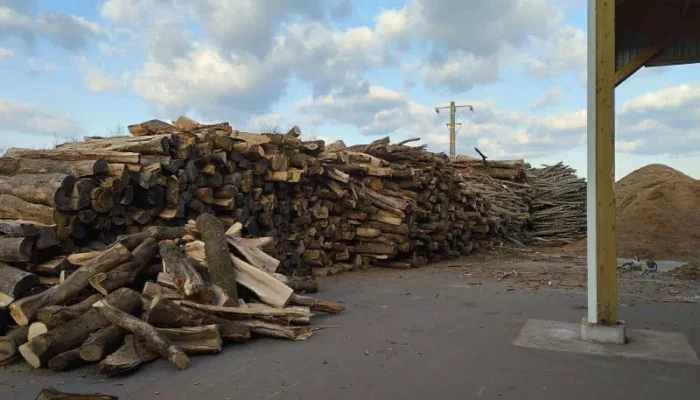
(340, 69)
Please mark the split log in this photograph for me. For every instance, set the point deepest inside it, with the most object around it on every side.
(266, 287)
(299, 284)
(12, 207)
(102, 343)
(10, 343)
(217, 255)
(254, 255)
(151, 290)
(195, 340)
(127, 358)
(278, 331)
(166, 314)
(14, 283)
(66, 360)
(54, 316)
(55, 394)
(52, 267)
(16, 249)
(159, 233)
(36, 329)
(72, 334)
(126, 273)
(155, 339)
(188, 280)
(296, 315)
(24, 310)
(317, 305)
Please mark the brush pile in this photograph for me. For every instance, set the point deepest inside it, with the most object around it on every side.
(558, 210)
(169, 292)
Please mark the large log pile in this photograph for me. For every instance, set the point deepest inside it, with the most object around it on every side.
(145, 297)
(558, 206)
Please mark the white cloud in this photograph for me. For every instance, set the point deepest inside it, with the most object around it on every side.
(96, 81)
(6, 53)
(67, 31)
(108, 50)
(37, 68)
(563, 50)
(551, 97)
(27, 119)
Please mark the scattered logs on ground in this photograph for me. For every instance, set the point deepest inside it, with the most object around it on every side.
(558, 212)
(147, 296)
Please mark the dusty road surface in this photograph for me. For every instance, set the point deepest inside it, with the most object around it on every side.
(433, 333)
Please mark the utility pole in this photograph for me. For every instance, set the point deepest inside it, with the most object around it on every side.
(453, 125)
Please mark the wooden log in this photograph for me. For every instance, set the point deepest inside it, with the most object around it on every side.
(23, 228)
(316, 304)
(188, 280)
(128, 357)
(254, 256)
(195, 340)
(269, 329)
(10, 343)
(12, 207)
(66, 361)
(55, 394)
(159, 233)
(52, 267)
(54, 316)
(35, 188)
(166, 314)
(78, 169)
(16, 249)
(217, 255)
(24, 310)
(101, 343)
(81, 259)
(72, 334)
(266, 287)
(36, 329)
(126, 273)
(14, 283)
(155, 339)
(151, 290)
(296, 315)
(75, 155)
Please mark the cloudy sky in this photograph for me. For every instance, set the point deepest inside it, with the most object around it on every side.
(340, 69)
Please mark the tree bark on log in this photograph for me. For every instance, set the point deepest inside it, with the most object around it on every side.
(296, 315)
(10, 343)
(54, 316)
(102, 343)
(155, 339)
(157, 232)
(166, 314)
(13, 283)
(278, 331)
(78, 169)
(195, 340)
(72, 334)
(37, 189)
(24, 228)
(16, 249)
(126, 273)
(54, 394)
(127, 358)
(188, 280)
(66, 361)
(73, 155)
(24, 310)
(217, 255)
(317, 305)
(12, 207)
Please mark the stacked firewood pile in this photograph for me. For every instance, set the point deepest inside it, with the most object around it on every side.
(403, 205)
(558, 206)
(504, 186)
(169, 292)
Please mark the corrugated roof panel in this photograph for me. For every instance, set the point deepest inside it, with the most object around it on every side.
(683, 51)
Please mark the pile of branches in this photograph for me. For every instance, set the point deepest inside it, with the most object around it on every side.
(558, 210)
(170, 292)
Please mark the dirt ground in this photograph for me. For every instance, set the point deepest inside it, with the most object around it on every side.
(539, 269)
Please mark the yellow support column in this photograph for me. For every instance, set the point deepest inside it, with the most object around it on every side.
(602, 256)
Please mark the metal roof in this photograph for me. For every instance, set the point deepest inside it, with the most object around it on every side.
(655, 33)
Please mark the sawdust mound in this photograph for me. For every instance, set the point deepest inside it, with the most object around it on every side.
(687, 272)
(658, 215)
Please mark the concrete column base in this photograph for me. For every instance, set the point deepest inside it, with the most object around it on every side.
(608, 334)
